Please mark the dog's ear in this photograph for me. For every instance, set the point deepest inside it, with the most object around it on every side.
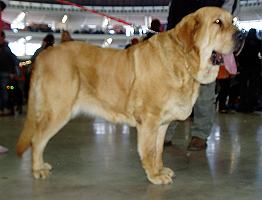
(186, 31)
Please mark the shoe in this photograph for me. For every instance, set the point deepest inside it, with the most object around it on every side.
(168, 143)
(6, 112)
(224, 111)
(3, 150)
(197, 144)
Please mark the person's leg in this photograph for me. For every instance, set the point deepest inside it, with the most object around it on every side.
(2, 105)
(253, 90)
(1, 95)
(3, 150)
(234, 93)
(204, 110)
(223, 94)
(243, 91)
(4, 94)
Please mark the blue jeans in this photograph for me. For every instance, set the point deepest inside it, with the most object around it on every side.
(204, 111)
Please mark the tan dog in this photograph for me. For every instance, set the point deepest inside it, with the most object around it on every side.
(147, 86)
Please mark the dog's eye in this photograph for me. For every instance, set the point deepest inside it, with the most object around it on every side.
(219, 22)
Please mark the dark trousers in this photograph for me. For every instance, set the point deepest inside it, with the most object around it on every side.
(223, 93)
(249, 85)
(4, 80)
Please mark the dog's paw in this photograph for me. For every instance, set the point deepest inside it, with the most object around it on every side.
(160, 179)
(167, 171)
(42, 172)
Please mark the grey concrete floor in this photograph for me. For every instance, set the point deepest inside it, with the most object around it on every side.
(96, 160)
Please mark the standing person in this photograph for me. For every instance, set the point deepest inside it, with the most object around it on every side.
(48, 41)
(223, 88)
(8, 64)
(134, 41)
(204, 108)
(65, 36)
(226, 71)
(2, 7)
(155, 27)
(249, 68)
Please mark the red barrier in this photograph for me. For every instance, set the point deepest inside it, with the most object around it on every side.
(95, 12)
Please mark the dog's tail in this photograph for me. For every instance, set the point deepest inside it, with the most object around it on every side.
(24, 140)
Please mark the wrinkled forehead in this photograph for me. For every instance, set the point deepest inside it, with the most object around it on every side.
(214, 13)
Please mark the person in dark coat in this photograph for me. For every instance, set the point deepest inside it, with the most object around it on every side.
(48, 41)
(8, 66)
(249, 68)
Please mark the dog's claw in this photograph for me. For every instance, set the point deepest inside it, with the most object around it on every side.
(43, 172)
(168, 171)
(160, 179)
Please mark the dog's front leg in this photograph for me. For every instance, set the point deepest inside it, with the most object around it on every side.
(160, 146)
(150, 148)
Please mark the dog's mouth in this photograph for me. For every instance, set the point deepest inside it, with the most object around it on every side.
(216, 58)
(227, 60)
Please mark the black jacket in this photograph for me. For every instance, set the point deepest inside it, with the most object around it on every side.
(180, 8)
(8, 61)
(248, 58)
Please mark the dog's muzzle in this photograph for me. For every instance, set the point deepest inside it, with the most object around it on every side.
(239, 38)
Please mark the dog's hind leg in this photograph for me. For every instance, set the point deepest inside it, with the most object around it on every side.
(47, 127)
(41, 124)
(150, 148)
(53, 109)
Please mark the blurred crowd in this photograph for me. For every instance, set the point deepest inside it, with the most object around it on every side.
(15, 75)
(45, 28)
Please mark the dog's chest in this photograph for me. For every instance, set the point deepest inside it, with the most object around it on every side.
(177, 110)
(179, 107)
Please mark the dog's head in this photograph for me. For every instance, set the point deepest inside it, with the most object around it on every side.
(205, 36)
